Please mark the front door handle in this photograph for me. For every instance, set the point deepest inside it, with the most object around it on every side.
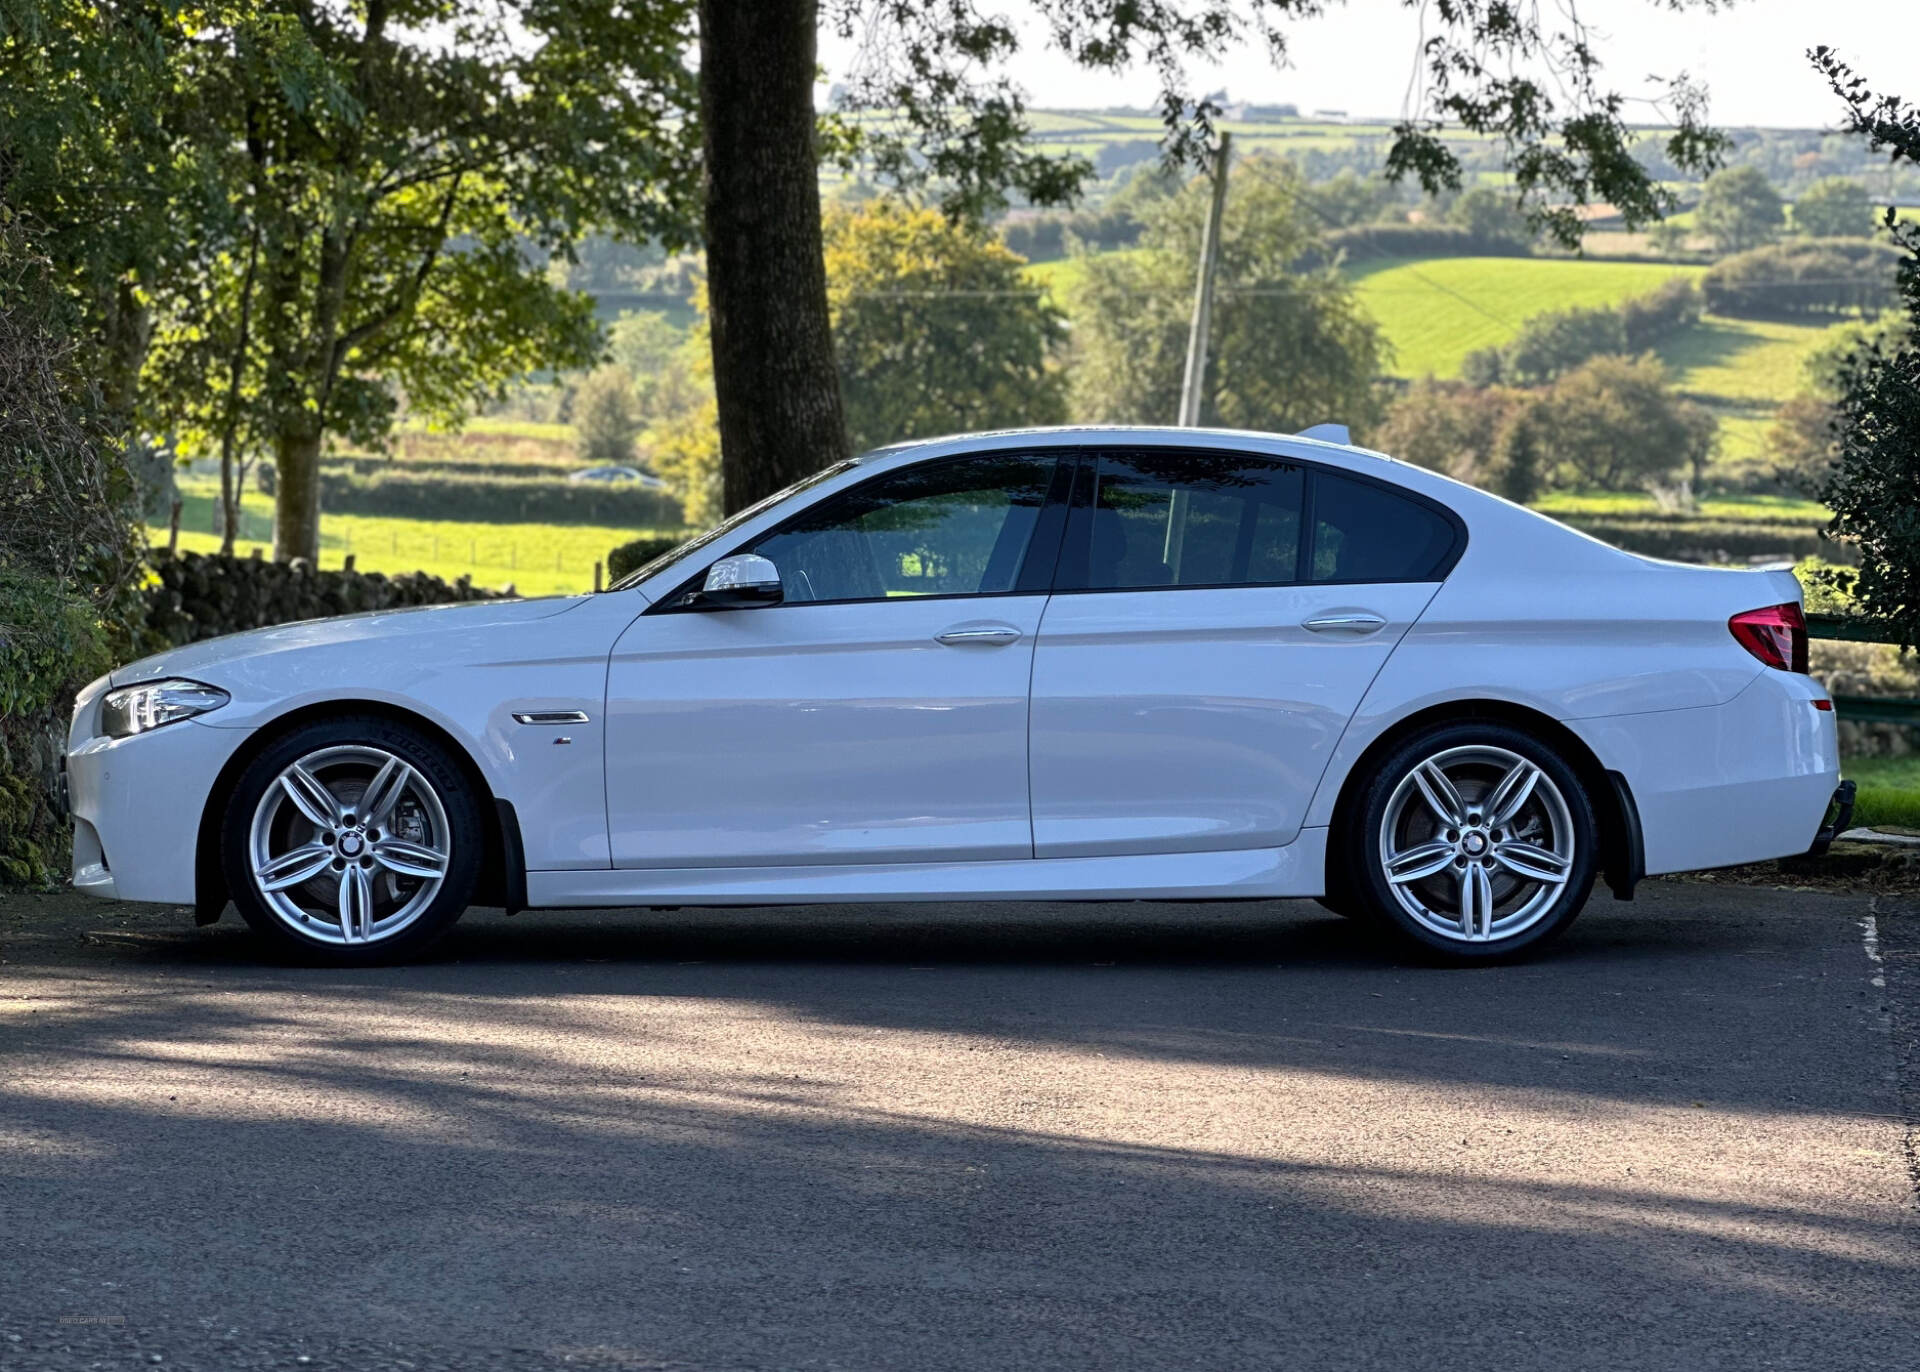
(974, 635)
(1345, 622)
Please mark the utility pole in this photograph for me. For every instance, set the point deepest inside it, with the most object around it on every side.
(1192, 383)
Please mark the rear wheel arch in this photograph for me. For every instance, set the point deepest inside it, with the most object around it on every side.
(502, 868)
(1621, 859)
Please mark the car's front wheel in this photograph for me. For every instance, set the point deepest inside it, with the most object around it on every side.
(1474, 840)
(352, 841)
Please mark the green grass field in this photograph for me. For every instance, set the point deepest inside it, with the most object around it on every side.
(1889, 790)
(536, 559)
(1438, 310)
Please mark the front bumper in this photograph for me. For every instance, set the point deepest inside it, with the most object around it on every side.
(137, 804)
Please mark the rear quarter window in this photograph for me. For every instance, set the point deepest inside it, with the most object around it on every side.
(1364, 532)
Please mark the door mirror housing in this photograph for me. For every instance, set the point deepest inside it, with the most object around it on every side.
(740, 582)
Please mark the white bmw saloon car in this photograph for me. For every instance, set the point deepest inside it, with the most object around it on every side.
(1067, 664)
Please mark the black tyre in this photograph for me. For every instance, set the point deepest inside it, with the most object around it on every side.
(1473, 841)
(352, 841)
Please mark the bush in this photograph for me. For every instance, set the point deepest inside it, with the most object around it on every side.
(1818, 276)
(1552, 344)
(198, 596)
(405, 494)
(51, 642)
(1043, 236)
(638, 553)
(68, 550)
(1650, 319)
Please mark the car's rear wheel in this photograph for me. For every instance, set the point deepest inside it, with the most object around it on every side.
(352, 841)
(1475, 841)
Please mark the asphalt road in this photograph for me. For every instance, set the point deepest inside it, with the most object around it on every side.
(1012, 1137)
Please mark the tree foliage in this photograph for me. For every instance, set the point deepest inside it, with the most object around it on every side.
(1806, 276)
(1616, 424)
(1833, 207)
(1875, 490)
(1459, 430)
(606, 417)
(1489, 213)
(347, 204)
(929, 109)
(1739, 209)
(1527, 75)
(67, 503)
(1290, 347)
(934, 329)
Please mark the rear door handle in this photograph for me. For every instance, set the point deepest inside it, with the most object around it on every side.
(1345, 622)
(976, 635)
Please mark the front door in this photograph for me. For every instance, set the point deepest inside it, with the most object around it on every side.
(1201, 657)
(878, 714)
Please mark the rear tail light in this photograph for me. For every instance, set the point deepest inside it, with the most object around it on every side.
(1776, 635)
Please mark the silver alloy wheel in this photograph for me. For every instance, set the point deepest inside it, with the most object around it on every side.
(1476, 843)
(349, 845)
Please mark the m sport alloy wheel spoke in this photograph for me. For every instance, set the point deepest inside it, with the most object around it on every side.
(1416, 864)
(291, 868)
(312, 799)
(1477, 843)
(350, 845)
(356, 905)
(409, 859)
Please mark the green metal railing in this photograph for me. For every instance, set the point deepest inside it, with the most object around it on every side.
(1866, 709)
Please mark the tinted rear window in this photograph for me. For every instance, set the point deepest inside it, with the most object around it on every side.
(1363, 532)
(1173, 518)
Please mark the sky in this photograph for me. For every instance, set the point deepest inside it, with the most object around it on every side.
(1359, 55)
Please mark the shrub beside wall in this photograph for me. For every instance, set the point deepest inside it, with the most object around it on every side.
(638, 553)
(51, 644)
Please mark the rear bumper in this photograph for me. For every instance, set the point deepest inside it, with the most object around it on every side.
(1840, 808)
(1725, 784)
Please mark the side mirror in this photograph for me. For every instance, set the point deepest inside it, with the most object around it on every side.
(741, 582)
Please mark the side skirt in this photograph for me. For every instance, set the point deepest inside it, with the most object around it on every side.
(1297, 870)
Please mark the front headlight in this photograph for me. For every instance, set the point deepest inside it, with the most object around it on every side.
(136, 709)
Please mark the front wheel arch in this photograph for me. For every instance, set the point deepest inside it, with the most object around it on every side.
(503, 878)
(1622, 857)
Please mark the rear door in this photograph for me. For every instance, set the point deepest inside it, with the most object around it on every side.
(1216, 619)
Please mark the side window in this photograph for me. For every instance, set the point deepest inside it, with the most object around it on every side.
(944, 528)
(1173, 518)
(1363, 532)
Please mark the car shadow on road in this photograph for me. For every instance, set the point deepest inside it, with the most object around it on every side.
(660, 1135)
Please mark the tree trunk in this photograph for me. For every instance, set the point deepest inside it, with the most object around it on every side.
(232, 481)
(296, 498)
(773, 372)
